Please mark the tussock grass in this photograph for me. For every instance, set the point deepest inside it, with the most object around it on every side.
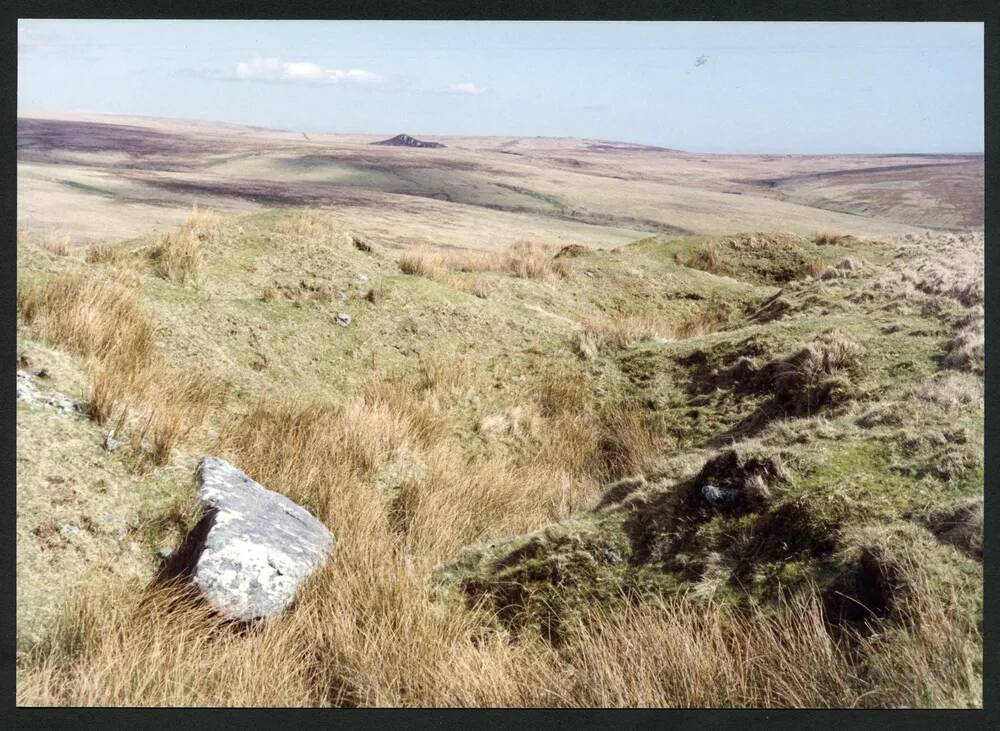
(368, 632)
(621, 330)
(630, 441)
(103, 254)
(715, 315)
(522, 259)
(828, 238)
(158, 406)
(813, 374)
(179, 255)
(102, 318)
(407, 470)
(98, 316)
(54, 242)
(707, 259)
(966, 348)
(308, 224)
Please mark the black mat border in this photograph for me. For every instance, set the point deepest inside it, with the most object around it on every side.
(756, 10)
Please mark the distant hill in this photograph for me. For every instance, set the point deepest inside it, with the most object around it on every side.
(407, 141)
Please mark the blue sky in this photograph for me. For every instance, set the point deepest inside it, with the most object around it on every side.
(709, 87)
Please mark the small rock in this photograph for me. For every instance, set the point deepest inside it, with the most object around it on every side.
(145, 446)
(117, 525)
(362, 277)
(25, 389)
(110, 443)
(165, 553)
(68, 530)
(611, 556)
(718, 496)
(589, 273)
(343, 319)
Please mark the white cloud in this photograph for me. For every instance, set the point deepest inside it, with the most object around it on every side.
(302, 72)
(466, 87)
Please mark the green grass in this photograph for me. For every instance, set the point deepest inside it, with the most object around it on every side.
(846, 478)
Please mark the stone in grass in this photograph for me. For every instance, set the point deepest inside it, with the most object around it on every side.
(252, 548)
(110, 443)
(719, 496)
(343, 319)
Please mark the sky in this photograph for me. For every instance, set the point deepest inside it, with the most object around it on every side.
(701, 87)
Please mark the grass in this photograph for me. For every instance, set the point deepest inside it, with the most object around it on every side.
(103, 254)
(522, 259)
(102, 318)
(54, 242)
(178, 256)
(459, 447)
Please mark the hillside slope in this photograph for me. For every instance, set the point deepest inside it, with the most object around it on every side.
(547, 467)
(109, 177)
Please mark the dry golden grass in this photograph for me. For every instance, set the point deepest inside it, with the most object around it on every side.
(480, 288)
(179, 255)
(367, 631)
(686, 654)
(806, 378)
(55, 242)
(371, 629)
(631, 441)
(156, 407)
(966, 348)
(828, 238)
(102, 318)
(103, 254)
(620, 331)
(389, 472)
(99, 316)
(522, 259)
(311, 226)
(814, 268)
(715, 315)
(707, 258)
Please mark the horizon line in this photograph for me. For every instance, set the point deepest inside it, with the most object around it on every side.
(652, 147)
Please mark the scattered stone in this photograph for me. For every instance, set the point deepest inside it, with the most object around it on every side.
(110, 443)
(165, 553)
(145, 446)
(719, 496)
(611, 556)
(117, 526)
(68, 530)
(252, 548)
(362, 277)
(589, 273)
(27, 392)
(343, 319)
